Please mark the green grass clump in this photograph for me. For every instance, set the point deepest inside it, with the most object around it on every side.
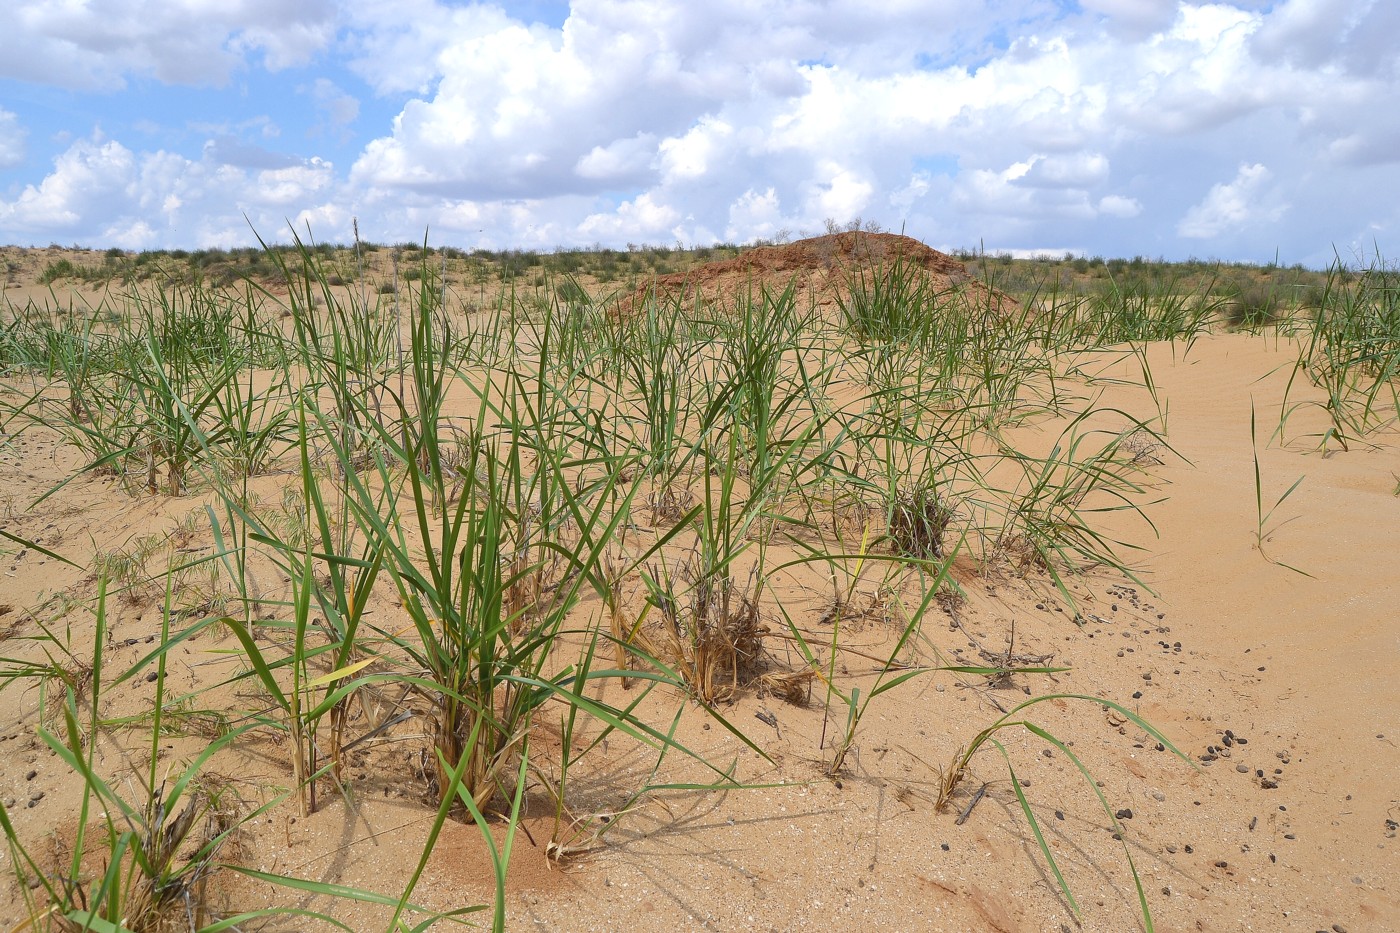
(1351, 351)
(537, 508)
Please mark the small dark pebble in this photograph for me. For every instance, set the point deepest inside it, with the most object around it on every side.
(1269, 784)
(945, 847)
(1240, 741)
(31, 775)
(1059, 814)
(1242, 769)
(1253, 822)
(1222, 864)
(1137, 695)
(1272, 858)
(151, 677)
(1338, 928)
(1289, 836)
(1124, 814)
(1189, 850)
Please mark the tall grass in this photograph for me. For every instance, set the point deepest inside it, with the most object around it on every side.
(1351, 351)
(468, 493)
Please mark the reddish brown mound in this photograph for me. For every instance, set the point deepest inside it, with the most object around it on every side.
(821, 270)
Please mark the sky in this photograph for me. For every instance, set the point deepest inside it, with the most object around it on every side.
(1243, 130)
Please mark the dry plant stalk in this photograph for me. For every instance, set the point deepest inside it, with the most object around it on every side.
(949, 778)
(791, 686)
(717, 636)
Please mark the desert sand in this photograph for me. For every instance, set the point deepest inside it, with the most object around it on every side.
(1289, 824)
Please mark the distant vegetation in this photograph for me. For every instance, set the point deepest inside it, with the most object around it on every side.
(496, 490)
(1255, 293)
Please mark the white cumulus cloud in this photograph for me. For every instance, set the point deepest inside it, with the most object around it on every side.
(99, 45)
(1114, 205)
(13, 140)
(1119, 126)
(1233, 205)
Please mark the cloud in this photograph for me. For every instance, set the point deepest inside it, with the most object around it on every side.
(642, 219)
(92, 176)
(529, 111)
(98, 188)
(1030, 124)
(1132, 19)
(754, 214)
(226, 149)
(986, 194)
(1114, 205)
(13, 140)
(1076, 170)
(98, 46)
(339, 108)
(1346, 35)
(1370, 145)
(622, 161)
(838, 192)
(293, 186)
(694, 154)
(1233, 205)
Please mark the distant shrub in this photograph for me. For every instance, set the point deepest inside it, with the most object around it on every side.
(1311, 296)
(58, 269)
(1254, 304)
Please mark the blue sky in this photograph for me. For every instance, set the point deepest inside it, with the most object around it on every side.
(1239, 130)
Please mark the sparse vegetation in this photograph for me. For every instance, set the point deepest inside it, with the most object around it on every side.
(490, 474)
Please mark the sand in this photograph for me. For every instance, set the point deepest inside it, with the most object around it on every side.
(1290, 826)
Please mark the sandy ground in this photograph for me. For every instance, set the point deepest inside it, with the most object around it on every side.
(1288, 826)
